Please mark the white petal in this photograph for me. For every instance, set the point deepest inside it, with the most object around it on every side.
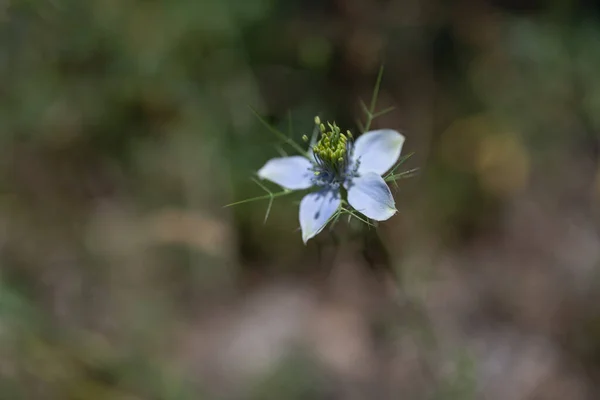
(371, 196)
(289, 172)
(377, 151)
(315, 211)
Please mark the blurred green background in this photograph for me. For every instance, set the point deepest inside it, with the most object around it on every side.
(126, 128)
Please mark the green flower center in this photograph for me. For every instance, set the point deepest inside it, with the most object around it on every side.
(331, 151)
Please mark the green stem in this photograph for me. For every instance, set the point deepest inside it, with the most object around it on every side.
(370, 114)
(265, 197)
(280, 135)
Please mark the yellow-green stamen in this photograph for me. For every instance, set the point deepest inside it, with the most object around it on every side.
(332, 148)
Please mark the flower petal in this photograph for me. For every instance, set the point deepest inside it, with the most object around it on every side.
(315, 211)
(289, 172)
(377, 151)
(371, 196)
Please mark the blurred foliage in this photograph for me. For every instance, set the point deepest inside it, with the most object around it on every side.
(295, 377)
(126, 128)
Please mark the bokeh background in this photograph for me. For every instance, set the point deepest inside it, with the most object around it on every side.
(126, 128)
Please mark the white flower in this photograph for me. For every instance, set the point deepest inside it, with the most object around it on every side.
(336, 162)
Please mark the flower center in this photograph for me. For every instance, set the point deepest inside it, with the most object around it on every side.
(332, 154)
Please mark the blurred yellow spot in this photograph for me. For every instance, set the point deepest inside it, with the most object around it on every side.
(460, 142)
(502, 164)
(477, 145)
